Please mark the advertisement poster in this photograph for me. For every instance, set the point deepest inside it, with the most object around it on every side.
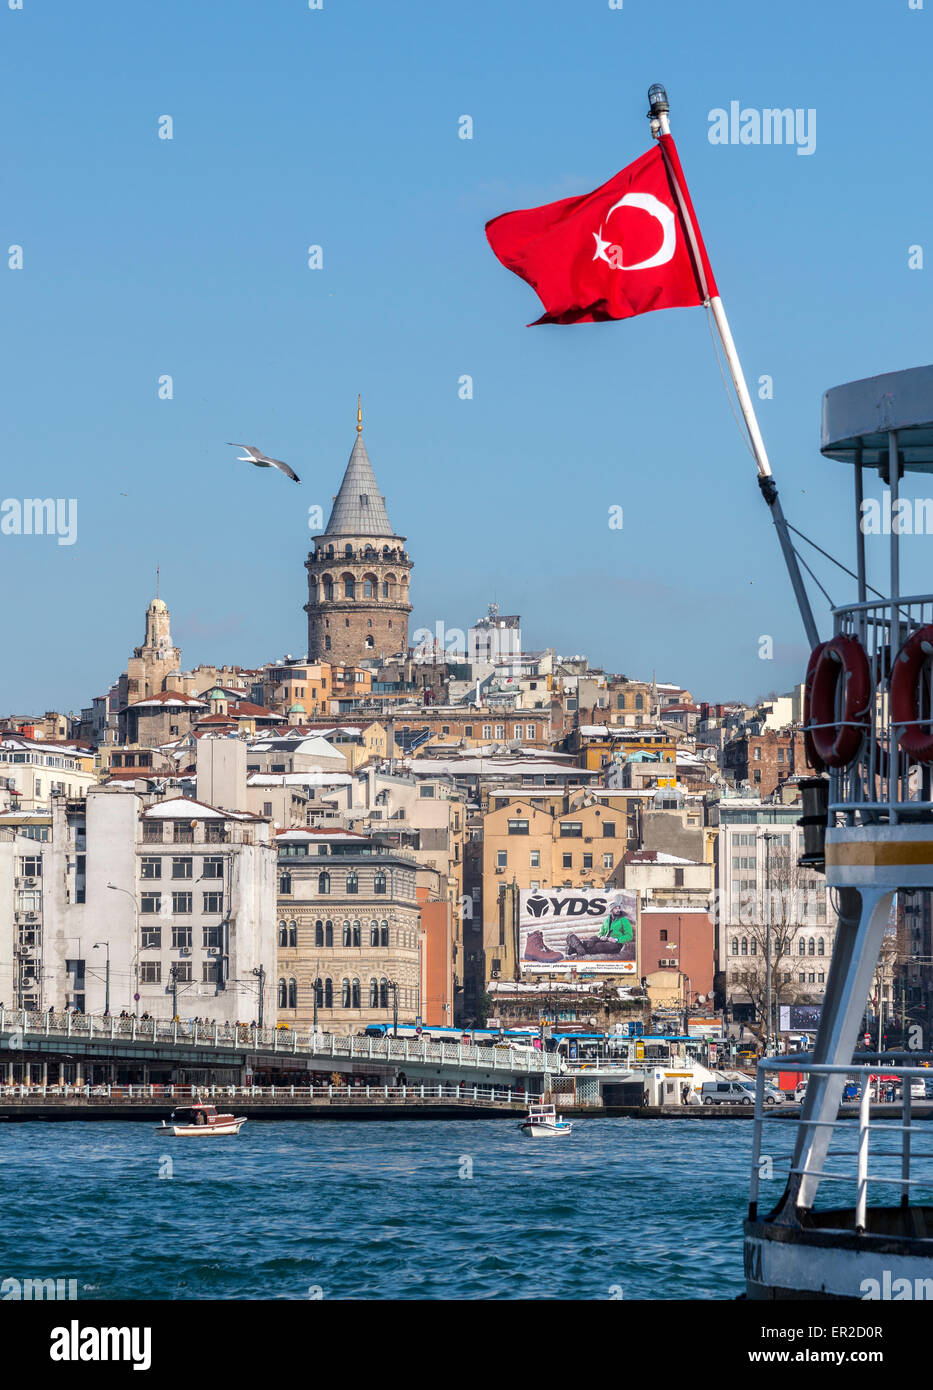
(578, 929)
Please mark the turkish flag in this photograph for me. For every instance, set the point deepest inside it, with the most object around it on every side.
(624, 250)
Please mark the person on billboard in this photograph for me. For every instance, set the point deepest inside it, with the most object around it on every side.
(616, 932)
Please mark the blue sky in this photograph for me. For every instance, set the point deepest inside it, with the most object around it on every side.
(339, 127)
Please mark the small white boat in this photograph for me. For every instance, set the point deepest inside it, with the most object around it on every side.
(541, 1122)
(200, 1120)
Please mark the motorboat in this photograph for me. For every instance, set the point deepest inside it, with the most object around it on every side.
(199, 1120)
(542, 1122)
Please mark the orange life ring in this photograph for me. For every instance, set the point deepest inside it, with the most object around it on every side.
(813, 757)
(836, 742)
(913, 738)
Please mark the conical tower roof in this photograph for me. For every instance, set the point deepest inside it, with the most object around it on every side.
(359, 508)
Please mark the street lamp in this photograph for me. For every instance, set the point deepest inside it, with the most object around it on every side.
(106, 945)
(767, 839)
(132, 896)
(260, 972)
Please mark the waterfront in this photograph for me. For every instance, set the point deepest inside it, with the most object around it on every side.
(627, 1208)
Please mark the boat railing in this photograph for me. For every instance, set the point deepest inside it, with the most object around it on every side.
(887, 1135)
(878, 786)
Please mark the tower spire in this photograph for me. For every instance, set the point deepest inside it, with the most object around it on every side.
(359, 414)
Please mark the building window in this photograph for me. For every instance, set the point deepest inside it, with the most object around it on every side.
(735, 945)
(328, 933)
(379, 881)
(181, 935)
(487, 731)
(821, 947)
(678, 878)
(608, 861)
(663, 934)
(353, 882)
(150, 868)
(518, 827)
(355, 994)
(374, 993)
(609, 829)
(151, 938)
(345, 994)
(571, 828)
(213, 867)
(152, 833)
(182, 868)
(384, 933)
(150, 972)
(502, 859)
(323, 882)
(744, 945)
(212, 938)
(181, 902)
(213, 902)
(285, 883)
(151, 902)
(587, 861)
(536, 859)
(374, 933)
(383, 993)
(210, 972)
(283, 994)
(182, 833)
(283, 933)
(426, 791)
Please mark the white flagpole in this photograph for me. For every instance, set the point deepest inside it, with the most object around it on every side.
(660, 125)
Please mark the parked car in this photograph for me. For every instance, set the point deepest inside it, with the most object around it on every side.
(727, 1093)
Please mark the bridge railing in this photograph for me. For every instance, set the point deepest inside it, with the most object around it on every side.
(433, 1091)
(242, 1037)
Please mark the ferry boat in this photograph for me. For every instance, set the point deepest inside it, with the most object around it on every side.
(843, 1229)
(542, 1122)
(199, 1120)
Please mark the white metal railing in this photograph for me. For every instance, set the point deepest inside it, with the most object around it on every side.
(876, 781)
(466, 1094)
(236, 1037)
(898, 1155)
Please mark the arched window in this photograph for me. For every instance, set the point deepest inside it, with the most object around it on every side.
(356, 934)
(323, 882)
(349, 587)
(744, 945)
(283, 995)
(735, 945)
(811, 949)
(802, 947)
(639, 702)
(346, 934)
(374, 933)
(355, 994)
(328, 994)
(348, 551)
(327, 644)
(319, 992)
(370, 644)
(379, 881)
(285, 883)
(754, 947)
(353, 882)
(293, 994)
(283, 934)
(330, 552)
(383, 993)
(328, 584)
(345, 993)
(319, 933)
(384, 934)
(374, 993)
(293, 933)
(821, 947)
(328, 933)
(385, 589)
(369, 590)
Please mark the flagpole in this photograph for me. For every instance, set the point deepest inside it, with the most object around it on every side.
(660, 125)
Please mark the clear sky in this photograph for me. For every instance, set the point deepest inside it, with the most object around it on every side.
(339, 127)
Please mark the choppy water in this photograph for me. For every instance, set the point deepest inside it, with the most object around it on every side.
(429, 1209)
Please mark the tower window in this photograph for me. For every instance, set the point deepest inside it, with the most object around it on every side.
(327, 644)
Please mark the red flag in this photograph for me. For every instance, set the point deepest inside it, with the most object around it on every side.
(630, 247)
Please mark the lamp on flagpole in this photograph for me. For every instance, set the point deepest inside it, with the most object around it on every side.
(658, 116)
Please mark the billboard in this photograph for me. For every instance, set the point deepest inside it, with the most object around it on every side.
(584, 929)
(799, 1018)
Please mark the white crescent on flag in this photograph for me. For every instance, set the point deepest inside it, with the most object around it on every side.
(647, 202)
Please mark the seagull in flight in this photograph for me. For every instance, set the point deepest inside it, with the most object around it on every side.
(253, 455)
